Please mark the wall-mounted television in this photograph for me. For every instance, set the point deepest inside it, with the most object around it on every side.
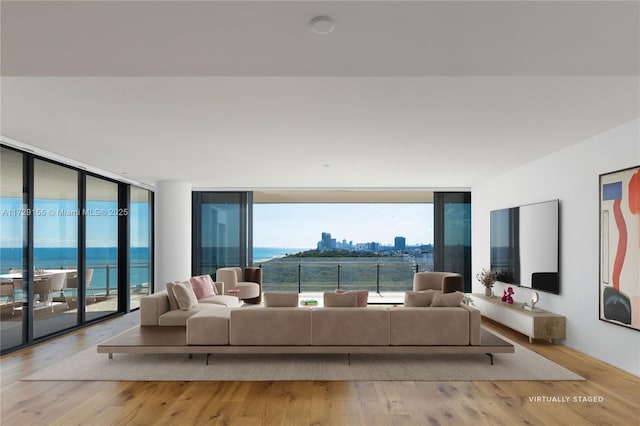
(525, 245)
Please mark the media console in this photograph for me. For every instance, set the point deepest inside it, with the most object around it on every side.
(538, 324)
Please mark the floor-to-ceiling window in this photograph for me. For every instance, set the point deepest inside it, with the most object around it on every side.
(221, 234)
(101, 248)
(55, 245)
(71, 250)
(13, 216)
(452, 214)
(140, 244)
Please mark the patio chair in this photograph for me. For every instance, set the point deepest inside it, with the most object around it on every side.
(47, 288)
(72, 284)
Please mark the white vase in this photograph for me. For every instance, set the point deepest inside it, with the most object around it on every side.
(488, 291)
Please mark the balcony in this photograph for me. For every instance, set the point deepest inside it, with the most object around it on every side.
(313, 275)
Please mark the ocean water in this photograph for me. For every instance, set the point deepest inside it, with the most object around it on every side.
(103, 261)
(261, 254)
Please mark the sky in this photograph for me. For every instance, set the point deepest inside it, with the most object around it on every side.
(301, 225)
(53, 229)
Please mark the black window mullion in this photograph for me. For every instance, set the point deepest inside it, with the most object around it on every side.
(27, 250)
(124, 258)
(82, 248)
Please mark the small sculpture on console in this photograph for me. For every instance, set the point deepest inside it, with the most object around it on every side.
(507, 295)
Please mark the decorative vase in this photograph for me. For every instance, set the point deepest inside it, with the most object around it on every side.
(488, 291)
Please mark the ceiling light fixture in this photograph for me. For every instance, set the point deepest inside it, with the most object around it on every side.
(322, 25)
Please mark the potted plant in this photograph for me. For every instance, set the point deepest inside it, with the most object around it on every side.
(487, 279)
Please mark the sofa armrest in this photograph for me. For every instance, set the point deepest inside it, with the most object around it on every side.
(474, 323)
(152, 306)
(219, 285)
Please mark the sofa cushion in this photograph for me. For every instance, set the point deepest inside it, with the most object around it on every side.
(418, 299)
(280, 299)
(447, 300)
(340, 300)
(185, 296)
(220, 300)
(362, 296)
(270, 326)
(209, 327)
(178, 318)
(202, 286)
(350, 326)
(429, 326)
(173, 303)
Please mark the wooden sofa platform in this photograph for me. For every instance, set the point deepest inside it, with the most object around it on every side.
(165, 339)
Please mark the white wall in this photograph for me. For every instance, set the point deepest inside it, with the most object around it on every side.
(572, 176)
(172, 232)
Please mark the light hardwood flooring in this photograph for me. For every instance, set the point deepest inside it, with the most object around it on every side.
(617, 395)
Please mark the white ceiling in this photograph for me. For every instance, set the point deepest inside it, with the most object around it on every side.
(244, 95)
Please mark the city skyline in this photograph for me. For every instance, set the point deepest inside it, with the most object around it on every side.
(301, 225)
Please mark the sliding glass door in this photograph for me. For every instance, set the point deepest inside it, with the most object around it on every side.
(140, 244)
(13, 224)
(71, 243)
(101, 249)
(55, 245)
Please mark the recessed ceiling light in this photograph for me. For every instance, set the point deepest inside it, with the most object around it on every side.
(322, 25)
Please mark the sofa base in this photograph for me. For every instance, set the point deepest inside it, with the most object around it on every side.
(172, 340)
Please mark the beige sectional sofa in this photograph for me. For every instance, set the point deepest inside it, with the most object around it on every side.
(430, 321)
(286, 327)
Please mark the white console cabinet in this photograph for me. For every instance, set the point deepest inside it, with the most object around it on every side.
(540, 324)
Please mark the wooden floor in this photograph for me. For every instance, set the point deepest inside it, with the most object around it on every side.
(611, 396)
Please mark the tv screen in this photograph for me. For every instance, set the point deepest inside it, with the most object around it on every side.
(525, 246)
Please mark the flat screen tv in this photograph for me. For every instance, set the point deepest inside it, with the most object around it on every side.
(525, 246)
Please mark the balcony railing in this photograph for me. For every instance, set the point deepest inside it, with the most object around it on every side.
(105, 277)
(321, 274)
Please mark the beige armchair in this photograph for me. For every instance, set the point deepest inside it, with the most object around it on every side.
(447, 282)
(248, 283)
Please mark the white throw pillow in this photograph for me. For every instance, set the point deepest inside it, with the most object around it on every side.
(185, 296)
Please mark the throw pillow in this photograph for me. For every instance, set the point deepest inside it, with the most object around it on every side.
(362, 296)
(173, 303)
(418, 299)
(340, 300)
(185, 296)
(202, 286)
(448, 299)
(280, 299)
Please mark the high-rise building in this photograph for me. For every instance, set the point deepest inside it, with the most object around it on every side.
(325, 242)
(400, 243)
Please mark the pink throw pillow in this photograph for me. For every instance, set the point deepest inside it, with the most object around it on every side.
(362, 295)
(202, 286)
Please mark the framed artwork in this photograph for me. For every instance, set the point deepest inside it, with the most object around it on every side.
(620, 247)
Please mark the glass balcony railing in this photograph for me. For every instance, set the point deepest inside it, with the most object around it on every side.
(326, 274)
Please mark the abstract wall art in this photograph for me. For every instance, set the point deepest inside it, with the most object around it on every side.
(620, 247)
